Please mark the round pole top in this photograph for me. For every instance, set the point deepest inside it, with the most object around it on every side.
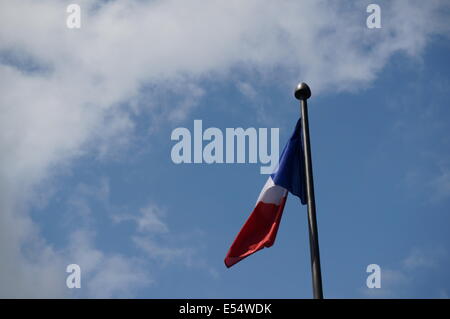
(302, 91)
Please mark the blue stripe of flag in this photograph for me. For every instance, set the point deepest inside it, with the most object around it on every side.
(290, 173)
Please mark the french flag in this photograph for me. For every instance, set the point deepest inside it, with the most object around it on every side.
(261, 227)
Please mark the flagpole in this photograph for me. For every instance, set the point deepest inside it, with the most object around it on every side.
(302, 93)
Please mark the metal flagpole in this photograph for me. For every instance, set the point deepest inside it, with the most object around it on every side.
(302, 93)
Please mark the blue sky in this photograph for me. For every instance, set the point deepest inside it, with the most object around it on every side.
(88, 177)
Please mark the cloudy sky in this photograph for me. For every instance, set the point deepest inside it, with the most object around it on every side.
(86, 117)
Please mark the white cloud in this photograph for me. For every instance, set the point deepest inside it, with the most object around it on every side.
(155, 250)
(64, 93)
(153, 237)
(247, 90)
(183, 254)
(421, 258)
(148, 219)
(29, 268)
(410, 278)
(105, 275)
(391, 280)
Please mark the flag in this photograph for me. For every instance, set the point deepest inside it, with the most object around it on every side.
(261, 227)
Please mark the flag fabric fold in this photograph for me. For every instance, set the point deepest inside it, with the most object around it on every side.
(261, 227)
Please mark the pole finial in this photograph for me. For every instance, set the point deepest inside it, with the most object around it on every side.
(302, 91)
